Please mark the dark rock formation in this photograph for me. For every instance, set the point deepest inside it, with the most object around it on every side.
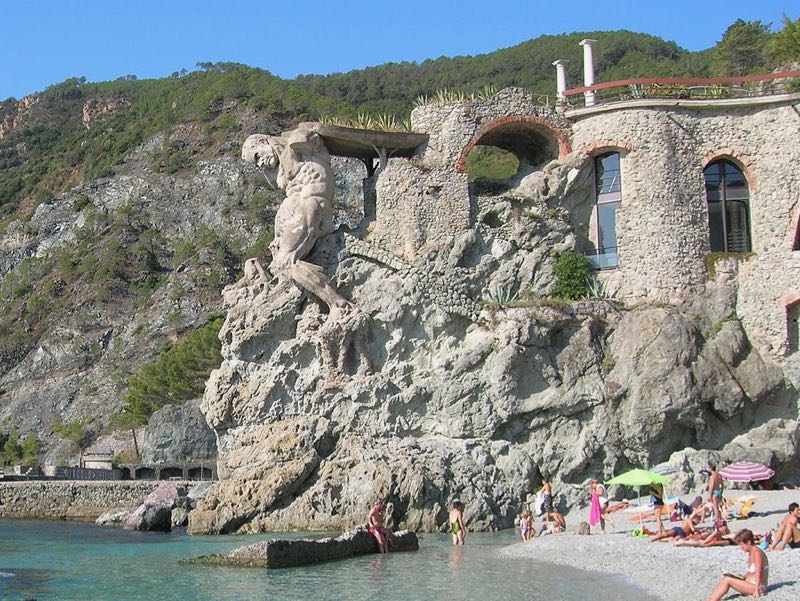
(178, 433)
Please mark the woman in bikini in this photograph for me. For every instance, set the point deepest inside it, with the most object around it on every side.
(755, 579)
(375, 521)
(456, 521)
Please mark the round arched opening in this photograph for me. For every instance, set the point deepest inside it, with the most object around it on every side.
(504, 151)
(532, 143)
(490, 163)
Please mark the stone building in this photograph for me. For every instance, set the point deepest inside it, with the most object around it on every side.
(681, 192)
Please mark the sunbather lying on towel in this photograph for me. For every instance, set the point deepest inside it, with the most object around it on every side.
(720, 536)
(686, 528)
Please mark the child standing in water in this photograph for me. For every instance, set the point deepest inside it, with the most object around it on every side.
(526, 525)
(456, 521)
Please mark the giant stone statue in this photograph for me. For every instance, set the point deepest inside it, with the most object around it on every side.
(298, 162)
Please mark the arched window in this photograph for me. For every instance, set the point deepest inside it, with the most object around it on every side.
(793, 327)
(608, 192)
(728, 208)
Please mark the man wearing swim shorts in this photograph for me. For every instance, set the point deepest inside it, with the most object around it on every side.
(715, 486)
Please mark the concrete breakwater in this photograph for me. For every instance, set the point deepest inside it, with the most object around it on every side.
(70, 500)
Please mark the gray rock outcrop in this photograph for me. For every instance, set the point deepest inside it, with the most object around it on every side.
(178, 433)
(156, 511)
(452, 408)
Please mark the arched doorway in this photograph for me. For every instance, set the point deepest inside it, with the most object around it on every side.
(145, 473)
(168, 473)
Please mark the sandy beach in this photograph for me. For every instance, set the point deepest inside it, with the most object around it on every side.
(663, 570)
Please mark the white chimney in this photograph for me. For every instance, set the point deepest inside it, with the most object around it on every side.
(588, 69)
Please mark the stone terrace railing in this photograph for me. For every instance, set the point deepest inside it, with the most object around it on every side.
(683, 88)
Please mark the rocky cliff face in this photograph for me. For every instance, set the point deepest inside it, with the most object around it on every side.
(438, 397)
(81, 313)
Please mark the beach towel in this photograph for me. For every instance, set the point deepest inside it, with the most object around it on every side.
(594, 511)
(538, 503)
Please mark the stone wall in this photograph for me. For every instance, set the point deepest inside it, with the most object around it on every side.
(662, 224)
(454, 127)
(70, 500)
(419, 208)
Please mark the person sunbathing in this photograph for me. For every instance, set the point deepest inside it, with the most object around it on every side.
(718, 537)
(788, 532)
(617, 506)
(686, 528)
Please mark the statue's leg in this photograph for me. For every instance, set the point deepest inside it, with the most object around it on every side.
(299, 232)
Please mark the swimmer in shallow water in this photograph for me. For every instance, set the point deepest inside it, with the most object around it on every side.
(456, 521)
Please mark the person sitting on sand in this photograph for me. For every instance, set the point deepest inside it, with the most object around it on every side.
(755, 579)
(375, 521)
(456, 521)
(788, 532)
(685, 529)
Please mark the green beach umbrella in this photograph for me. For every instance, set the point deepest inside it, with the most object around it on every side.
(637, 478)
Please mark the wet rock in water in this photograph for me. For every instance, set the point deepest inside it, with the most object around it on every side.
(156, 511)
(114, 517)
(290, 553)
(179, 517)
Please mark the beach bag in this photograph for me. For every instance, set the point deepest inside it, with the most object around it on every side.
(538, 503)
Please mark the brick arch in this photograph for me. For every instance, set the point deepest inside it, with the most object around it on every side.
(739, 160)
(545, 126)
(788, 301)
(602, 146)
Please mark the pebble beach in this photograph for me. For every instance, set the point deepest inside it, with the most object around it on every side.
(661, 569)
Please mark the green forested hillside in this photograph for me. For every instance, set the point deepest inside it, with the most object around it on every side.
(393, 87)
(50, 149)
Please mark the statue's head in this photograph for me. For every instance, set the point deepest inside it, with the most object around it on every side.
(261, 150)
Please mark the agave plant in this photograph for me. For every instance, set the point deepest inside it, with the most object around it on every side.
(484, 94)
(386, 122)
(500, 296)
(596, 289)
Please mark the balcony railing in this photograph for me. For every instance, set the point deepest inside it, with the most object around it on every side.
(604, 258)
(689, 88)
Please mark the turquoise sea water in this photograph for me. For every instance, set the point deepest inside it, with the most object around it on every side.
(84, 562)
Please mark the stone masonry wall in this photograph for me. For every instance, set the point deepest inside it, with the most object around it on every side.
(662, 224)
(418, 207)
(453, 126)
(70, 500)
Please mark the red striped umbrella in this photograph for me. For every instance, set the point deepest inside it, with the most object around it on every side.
(746, 471)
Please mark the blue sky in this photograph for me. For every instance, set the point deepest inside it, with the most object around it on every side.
(46, 41)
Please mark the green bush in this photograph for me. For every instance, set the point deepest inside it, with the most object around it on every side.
(179, 374)
(572, 271)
